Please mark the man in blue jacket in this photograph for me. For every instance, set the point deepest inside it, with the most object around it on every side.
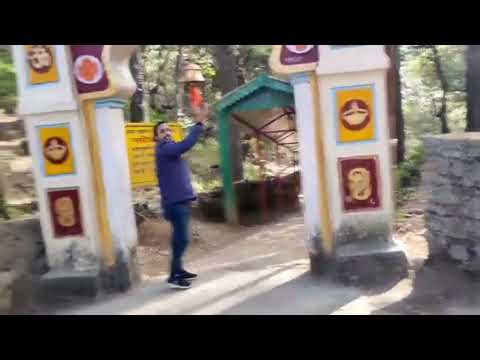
(177, 192)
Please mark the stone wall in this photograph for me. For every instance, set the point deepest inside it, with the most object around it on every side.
(452, 174)
(22, 259)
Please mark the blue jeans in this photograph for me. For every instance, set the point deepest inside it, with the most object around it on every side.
(179, 216)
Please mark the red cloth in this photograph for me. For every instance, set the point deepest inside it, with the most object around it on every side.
(196, 96)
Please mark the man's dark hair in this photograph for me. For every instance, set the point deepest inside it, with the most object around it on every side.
(155, 130)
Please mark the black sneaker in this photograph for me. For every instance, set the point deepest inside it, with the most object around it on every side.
(188, 276)
(179, 283)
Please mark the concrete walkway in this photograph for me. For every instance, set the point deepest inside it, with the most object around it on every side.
(268, 274)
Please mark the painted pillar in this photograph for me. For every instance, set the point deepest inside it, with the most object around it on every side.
(60, 153)
(354, 110)
(72, 99)
(345, 156)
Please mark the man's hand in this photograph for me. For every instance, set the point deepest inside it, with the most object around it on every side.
(201, 114)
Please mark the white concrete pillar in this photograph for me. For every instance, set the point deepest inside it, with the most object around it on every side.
(347, 74)
(342, 119)
(48, 104)
(115, 168)
(309, 161)
(69, 96)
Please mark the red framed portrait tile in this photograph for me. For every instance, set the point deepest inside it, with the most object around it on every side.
(360, 183)
(65, 212)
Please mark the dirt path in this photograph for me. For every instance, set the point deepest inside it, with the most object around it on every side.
(258, 270)
(264, 270)
(154, 237)
(261, 247)
(207, 239)
(410, 228)
(237, 267)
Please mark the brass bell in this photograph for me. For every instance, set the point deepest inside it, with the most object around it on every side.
(191, 73)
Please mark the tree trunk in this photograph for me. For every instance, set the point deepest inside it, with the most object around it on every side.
(399, 106)
(442, 113)
(136, 104)
(397, 121)
(473, 88)
(3, 195)
(146, 92)
(227, 81)
(179, 108)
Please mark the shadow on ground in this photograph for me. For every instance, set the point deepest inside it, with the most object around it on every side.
(439, 288)
(304, 295)
(281, 288)
(266, 273)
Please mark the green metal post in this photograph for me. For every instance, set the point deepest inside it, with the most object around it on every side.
(230, 202)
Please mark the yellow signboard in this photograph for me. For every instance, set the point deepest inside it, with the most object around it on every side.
(141, 152)
(356, 114)
(57, 150)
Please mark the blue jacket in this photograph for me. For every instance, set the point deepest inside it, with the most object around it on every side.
(172, 171)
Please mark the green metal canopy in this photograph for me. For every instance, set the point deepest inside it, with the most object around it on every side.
(265, 91)
(264, 107)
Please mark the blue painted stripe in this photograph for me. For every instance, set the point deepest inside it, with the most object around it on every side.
(110, 103)
(342, 47)
(298, 79)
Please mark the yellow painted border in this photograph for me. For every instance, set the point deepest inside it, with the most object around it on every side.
(106, 240)
(322, 176)
(119, 86)
(277, 66)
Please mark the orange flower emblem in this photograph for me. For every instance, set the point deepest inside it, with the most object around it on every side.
(88, 69)
(300, 48)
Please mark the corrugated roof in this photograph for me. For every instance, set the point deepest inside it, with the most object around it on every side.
(275, 121)
(261, 82)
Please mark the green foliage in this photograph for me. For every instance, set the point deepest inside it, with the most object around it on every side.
(127, 111)
(161, 66)
(253, 60)
(161, 71)
(421, 91)
(251, 171)
(8, 89)
(4, 209)
(156, 116)
(409, 172)
(201, 158)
